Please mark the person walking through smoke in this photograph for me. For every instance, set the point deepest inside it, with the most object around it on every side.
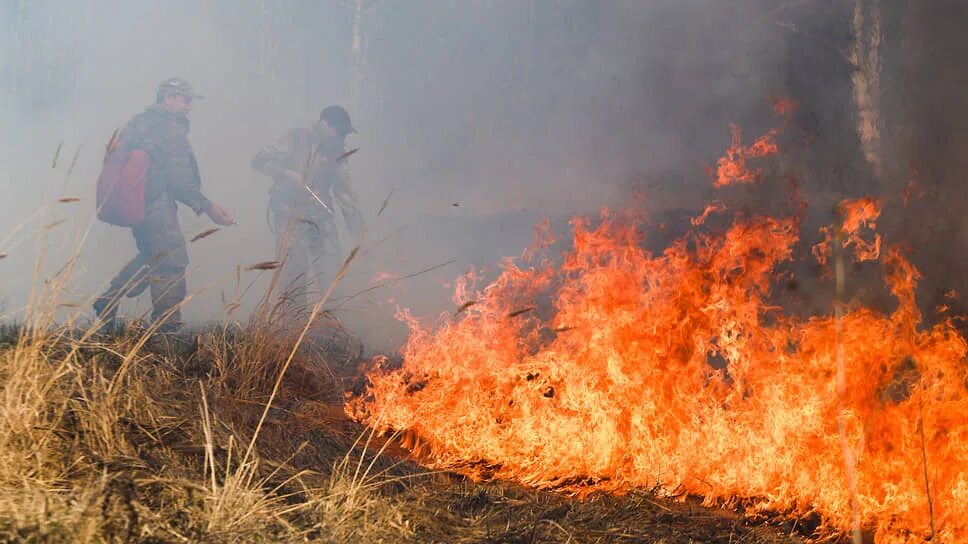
(172, 176)
(311, 179)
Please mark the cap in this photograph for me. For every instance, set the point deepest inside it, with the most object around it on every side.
(177, 85)
(338, 118)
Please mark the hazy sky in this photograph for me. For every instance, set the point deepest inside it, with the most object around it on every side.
(512, 110)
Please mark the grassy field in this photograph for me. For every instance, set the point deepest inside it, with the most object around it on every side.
(121, 436)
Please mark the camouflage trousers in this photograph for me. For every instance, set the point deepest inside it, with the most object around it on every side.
(159, 265)
(308, 248)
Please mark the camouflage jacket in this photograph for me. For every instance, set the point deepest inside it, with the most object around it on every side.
(173, 170)
(301, 151)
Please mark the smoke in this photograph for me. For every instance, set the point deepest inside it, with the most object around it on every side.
(480, 117)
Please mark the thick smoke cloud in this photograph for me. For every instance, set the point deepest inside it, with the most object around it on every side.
(480, 117)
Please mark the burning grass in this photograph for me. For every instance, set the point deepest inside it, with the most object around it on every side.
(157, 454)
(680, 371)
(121, 436)
(238, 433)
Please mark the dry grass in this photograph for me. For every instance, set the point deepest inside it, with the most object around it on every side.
(127, 435)
(237, 434)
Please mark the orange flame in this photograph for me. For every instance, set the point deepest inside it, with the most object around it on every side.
(857, 214)
(710, 209)
(733, 167)
(631, 370)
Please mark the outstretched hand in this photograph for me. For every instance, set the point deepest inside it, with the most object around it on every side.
(219, 215)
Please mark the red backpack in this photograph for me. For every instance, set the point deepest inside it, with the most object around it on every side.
(121, 185)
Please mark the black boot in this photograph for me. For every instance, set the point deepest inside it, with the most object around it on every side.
(106, 310)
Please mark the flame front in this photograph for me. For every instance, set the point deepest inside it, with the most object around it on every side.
(619, 369)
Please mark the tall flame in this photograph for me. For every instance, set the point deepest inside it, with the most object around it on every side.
(622, 369)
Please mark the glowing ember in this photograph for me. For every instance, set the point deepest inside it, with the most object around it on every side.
(784, 107)
(911, 190)
(631, 369)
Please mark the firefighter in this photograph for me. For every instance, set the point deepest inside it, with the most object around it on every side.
(310, 182)
(172, 177)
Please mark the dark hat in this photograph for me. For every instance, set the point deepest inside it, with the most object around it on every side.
(177, 85)
(338, 118)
